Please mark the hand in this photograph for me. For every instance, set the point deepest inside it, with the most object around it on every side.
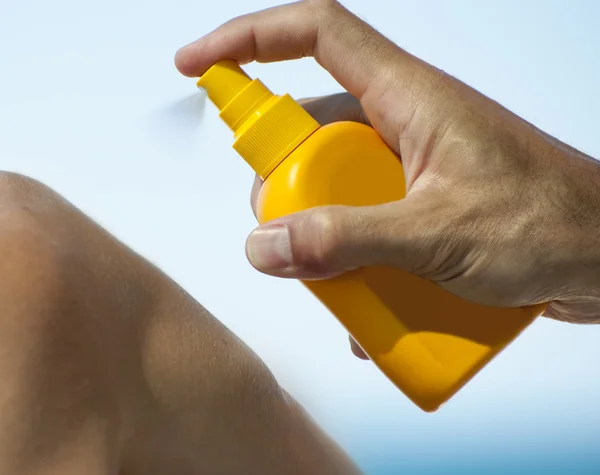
(497, 212)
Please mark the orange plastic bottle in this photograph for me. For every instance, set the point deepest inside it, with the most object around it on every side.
(428, 342)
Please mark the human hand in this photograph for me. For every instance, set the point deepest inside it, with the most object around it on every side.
(496, 212)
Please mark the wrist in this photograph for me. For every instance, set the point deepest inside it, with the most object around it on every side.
(575, 198)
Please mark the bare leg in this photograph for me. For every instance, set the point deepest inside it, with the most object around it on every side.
(108, 367)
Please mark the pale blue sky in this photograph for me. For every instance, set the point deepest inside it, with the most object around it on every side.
(91, 104)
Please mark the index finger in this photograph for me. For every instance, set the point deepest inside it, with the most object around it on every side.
(356, 55)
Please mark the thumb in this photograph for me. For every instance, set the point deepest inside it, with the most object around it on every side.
(327, 241)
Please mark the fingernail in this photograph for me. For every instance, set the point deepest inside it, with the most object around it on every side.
(269, 248)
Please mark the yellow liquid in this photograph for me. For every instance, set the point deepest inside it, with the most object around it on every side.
(428, 342)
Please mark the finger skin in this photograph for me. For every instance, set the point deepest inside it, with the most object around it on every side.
(342, 43)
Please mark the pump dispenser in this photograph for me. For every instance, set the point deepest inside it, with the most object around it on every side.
(428, 342)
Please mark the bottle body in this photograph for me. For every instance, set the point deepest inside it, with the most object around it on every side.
(428, 342)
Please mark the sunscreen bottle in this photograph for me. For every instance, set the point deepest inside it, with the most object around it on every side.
(428, 342)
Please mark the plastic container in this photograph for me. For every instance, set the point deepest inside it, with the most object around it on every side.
(428, 342)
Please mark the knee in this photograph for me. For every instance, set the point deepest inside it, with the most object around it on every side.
(53, 286)
(52, 336)
(50, 296)
(30, 250)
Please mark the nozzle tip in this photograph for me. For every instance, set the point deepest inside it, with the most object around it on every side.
(223, 81)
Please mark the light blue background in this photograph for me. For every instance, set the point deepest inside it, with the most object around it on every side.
(91, 104)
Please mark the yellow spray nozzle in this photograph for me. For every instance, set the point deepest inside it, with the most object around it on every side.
(223, 82)
(234, 93)
(266, 127)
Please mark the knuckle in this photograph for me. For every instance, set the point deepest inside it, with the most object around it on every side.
(321, 3)
(322, 10)
(325, 238)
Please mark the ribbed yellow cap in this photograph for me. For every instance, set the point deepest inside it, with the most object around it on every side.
(266, 127)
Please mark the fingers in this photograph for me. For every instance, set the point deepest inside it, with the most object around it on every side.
(328, 241)
(575, 310)
(357, 350)
(357, 56)
(256, 186)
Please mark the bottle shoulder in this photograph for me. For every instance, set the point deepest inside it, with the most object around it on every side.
(345, 132)
(343, 144)
(344, 163)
